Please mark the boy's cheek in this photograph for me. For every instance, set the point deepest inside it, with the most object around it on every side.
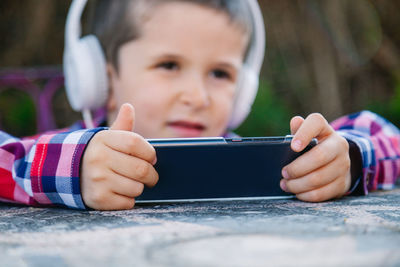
(221, 124)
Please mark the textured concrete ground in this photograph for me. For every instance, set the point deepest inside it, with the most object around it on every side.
(354, 231)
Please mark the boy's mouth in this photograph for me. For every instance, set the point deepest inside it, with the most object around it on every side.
(187, 128)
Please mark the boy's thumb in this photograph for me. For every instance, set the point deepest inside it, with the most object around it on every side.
(125, 119)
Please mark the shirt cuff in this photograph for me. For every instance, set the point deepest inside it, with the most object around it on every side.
(360, 185)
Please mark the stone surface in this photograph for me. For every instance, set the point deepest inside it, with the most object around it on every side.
(354, 231)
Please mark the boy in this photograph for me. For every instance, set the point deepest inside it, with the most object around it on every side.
(178, 63)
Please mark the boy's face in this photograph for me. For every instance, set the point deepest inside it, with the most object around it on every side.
(181, 74)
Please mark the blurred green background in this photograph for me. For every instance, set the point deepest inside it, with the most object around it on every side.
(329, 56)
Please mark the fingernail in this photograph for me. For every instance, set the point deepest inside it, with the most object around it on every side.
(154, 161)
(283, 185)
(285, 174)
(297, 144)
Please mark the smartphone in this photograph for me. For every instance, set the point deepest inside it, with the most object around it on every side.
(208, 169)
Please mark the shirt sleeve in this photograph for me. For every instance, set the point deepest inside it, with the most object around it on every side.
(378, 141)
(43, 170)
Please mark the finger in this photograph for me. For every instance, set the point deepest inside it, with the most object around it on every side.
(111, 201)
(313, 126)
(316, 179)
(333, 190)
(120, 202)
(126, 187)
(320, 155)
(295, 124)
(133, 168)
(128, 143)
(125, 119)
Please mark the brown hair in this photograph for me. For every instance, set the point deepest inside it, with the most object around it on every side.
(116, 22)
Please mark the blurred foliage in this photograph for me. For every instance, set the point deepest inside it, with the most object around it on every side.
(389, 110)
(332, 56)
(17, 113)
(269, 115)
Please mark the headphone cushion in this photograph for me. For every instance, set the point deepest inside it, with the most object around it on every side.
(86, 74)
(246, 93)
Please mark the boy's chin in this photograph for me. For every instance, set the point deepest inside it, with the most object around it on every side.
(185, 132)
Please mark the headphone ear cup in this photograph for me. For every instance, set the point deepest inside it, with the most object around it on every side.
(86, 74)
(246, 92)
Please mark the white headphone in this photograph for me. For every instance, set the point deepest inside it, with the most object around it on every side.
(86, 75)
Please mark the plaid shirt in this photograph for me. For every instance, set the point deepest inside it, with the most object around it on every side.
(44, 170)
(379, 143)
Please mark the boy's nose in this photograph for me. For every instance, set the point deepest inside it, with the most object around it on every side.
(195, 94)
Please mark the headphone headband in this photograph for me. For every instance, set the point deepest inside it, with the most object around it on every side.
(256, 53)
(73, 25)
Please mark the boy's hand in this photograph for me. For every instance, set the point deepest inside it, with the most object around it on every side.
(323, 172)
(116, 165)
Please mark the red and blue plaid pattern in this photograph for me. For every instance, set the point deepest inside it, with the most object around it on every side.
(44, 169)
(379, 144)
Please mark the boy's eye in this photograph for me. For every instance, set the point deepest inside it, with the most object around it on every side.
(168, 65)
(221, 74)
